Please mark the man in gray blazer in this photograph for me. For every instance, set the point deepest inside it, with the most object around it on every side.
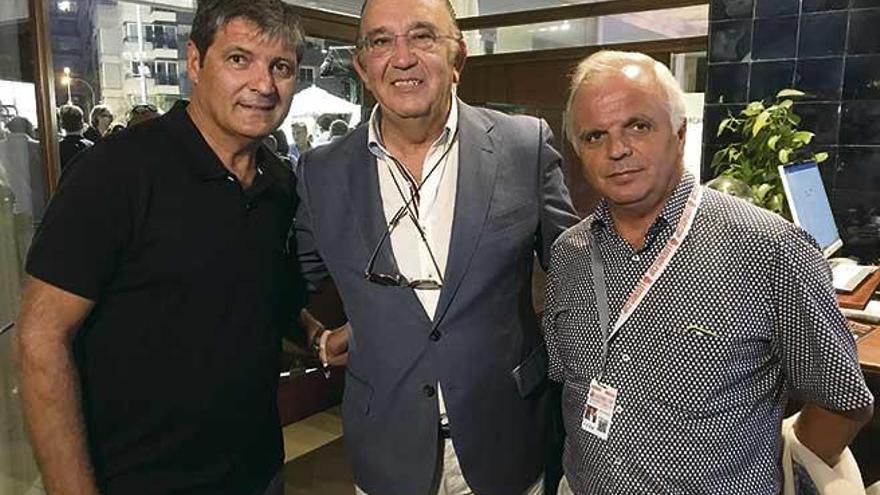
(428, 218)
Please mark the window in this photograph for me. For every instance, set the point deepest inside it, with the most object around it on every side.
(306, 76)
(165, 72)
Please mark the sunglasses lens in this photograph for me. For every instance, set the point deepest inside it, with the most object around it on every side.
(382, 279)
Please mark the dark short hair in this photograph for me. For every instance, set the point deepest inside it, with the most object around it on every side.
(99, 111)
(20, 125)
(338, 128)
(71, 117)
(275, 18)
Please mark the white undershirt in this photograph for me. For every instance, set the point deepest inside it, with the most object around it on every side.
(435, 210)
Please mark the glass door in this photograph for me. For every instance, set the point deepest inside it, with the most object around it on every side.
(22, 200)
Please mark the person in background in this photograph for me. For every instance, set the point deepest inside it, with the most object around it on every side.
(100, 119)
(141, 112)
(338, 129)
(21, 157)
(429, 217)
(302, 142)
(73, 142)
(161, 280)
(680, 320)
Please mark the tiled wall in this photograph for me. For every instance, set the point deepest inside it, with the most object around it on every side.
(830, 49)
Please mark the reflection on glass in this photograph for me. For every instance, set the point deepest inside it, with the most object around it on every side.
(463, 8)
(622, 28)
(22, 190)
(328, 97)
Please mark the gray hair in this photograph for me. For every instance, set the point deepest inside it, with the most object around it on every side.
(608, 62)
(275, 18)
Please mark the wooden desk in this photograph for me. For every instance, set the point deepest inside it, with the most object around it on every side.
(869, 352)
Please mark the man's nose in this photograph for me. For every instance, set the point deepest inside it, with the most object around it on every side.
(618, 146)
(261, 80)
(403, 55)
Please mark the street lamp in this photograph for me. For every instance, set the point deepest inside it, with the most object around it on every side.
(67, 79)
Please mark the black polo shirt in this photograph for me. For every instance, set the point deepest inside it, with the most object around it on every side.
(193, 285)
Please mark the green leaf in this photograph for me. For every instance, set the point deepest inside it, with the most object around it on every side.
(775, 203)
(803, 137)
(820, 157)
(783, 155)
(753, 109)
(786, 104)
(760, 122)
(762, 190)
(771, 143)
(787, 93)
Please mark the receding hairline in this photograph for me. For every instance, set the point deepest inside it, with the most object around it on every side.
(448, 7)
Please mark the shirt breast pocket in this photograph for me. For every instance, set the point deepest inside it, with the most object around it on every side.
(697, 370)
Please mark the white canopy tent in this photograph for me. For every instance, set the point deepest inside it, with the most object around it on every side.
(312, 102)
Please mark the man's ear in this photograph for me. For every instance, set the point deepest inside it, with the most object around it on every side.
(361, 71)
(460, 58)
(193, 62)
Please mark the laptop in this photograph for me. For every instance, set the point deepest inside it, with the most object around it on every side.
(811, 211)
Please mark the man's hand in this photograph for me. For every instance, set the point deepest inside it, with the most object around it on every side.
(336, 348)
(827, 433)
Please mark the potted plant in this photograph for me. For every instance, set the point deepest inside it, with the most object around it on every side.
(770, 136)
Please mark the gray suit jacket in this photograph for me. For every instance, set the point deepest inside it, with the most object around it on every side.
(511, 202)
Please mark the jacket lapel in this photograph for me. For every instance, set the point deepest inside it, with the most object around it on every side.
(477, 167)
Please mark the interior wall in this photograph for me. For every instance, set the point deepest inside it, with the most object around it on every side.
(831, 50)
(536, 85)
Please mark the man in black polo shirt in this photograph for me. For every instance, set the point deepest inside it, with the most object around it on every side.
(161, 280)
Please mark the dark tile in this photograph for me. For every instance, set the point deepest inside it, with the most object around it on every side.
(821, 78)
(828, 168)
(768, 78)
(860, 122)
(820, 118)
(774, 8)
(730, 41)
(728, 83)
(864, 4)
(862, 78)
(730, 9)
(775, 38)
(863, 36)
(824, 5)
(822, 34)
(712, 117)
(707, 173)
(859, 168)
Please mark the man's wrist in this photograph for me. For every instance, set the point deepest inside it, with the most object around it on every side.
(317, 337)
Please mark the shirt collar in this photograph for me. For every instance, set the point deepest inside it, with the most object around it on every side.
(669, 215)
(204, 163)
(376, 144)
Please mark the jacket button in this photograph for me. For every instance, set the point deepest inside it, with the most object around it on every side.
(428, 391)
(434, 336)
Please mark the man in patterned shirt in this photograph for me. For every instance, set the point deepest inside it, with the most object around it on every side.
(684, 319)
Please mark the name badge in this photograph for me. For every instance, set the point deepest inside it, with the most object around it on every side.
(599, 409)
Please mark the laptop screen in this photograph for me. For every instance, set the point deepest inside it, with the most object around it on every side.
(809, 204)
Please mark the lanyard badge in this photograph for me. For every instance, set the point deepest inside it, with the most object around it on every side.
(599, 409)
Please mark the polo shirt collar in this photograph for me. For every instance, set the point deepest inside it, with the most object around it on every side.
(204, 163)
(669, 215)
